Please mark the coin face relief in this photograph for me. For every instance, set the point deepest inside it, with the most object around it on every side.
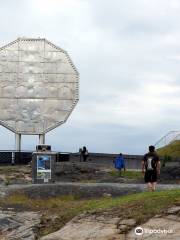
(38, 86)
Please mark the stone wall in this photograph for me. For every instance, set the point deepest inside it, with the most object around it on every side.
(131, 161)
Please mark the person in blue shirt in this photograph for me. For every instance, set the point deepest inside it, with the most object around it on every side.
(119, 163)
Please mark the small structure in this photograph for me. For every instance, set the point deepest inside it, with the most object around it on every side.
(43, 164)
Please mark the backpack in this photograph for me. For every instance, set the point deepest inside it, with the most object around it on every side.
(150, 163)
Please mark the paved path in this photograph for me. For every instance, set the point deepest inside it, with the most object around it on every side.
(81, 189)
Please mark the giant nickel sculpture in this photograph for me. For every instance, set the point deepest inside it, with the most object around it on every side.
(38, 87)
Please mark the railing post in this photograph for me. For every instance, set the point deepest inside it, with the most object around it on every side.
(13, 158)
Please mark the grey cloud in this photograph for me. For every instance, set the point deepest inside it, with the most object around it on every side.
(119, 47)
(126, 17)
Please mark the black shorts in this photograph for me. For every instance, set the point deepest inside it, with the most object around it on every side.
(150, 176)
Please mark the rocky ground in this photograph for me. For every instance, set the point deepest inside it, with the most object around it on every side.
(84, 180)
(111, 227)
(18, 225)
(20, 174)
(85, 172)
(90, 172)
(94, 226)
(23, 212)
(166, 226)
(170, 175)
(68, 172)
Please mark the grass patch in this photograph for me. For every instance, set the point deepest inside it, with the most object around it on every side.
(127, 174)
(88, 181)
(141, 207)
(16, 173)
(16, 168)
(172, 149)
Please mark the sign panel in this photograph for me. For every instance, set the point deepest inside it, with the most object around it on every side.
(44, 167)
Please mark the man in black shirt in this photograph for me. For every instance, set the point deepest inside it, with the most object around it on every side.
(151, 168)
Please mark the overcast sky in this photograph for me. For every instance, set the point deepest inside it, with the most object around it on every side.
(128, 55)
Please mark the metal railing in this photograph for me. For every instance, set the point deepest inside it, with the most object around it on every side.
(24, 157)
(15, 157)
(167, 139)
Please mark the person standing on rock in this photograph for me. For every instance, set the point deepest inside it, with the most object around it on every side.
(151, 168)
(119, 163)
(80, 154)
(85, 154)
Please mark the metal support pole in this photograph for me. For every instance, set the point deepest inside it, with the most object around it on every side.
(17, 142)
(17, 155)
(41, 139)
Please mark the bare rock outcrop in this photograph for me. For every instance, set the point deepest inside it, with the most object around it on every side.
(165, 227)
(109, 227)
(86, 227)
(18, 225)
